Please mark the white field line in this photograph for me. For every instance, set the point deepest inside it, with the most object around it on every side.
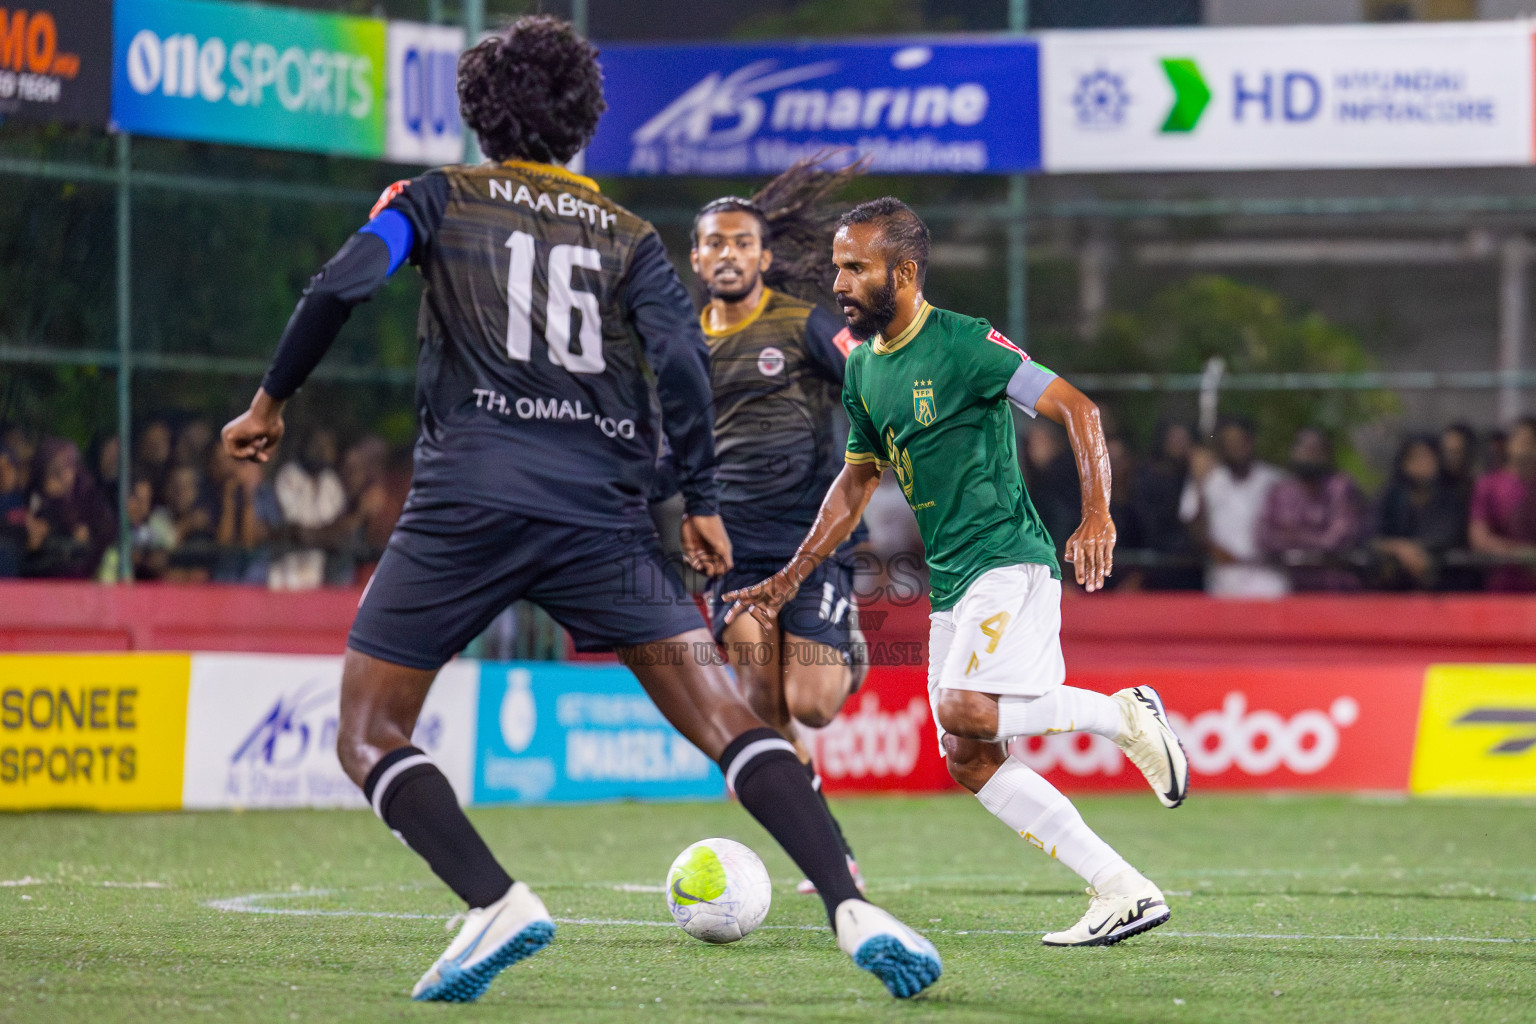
(252, 904)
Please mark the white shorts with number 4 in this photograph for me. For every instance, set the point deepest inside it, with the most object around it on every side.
(1003, 636)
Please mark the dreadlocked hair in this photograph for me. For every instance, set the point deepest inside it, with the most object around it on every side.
(532, 92)
(797, 217)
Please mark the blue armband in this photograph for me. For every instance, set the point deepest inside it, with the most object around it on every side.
(395, 229)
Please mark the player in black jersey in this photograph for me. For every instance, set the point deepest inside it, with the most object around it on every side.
(545, 303)
(776, 366)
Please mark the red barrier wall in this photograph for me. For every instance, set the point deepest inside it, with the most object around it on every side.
(1100, 632)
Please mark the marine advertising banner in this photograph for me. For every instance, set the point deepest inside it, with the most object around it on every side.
(1477, 731)
(423, 94)
(98, 731)
(551, 732)
(911, 106)
(1434, 95)
(56, 60)
(261, 731)
(282, 78)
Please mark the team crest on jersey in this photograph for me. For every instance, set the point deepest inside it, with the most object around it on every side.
(922, 402)
(770, 362)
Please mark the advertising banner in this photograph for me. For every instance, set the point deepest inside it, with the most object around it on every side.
(1246, 727)
(261, 731)
(56, 61)
(98, 731)
(1337, 96)
(551, 732)
(254, 76)
(423, 94)
(911, 106)
(884, 739)
(1477, 731)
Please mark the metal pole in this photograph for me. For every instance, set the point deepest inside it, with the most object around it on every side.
(124, 361)
(579, 16)
(474, 26)
(1513, 258)
(1018, 208)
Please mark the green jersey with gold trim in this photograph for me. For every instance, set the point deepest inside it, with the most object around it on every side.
(932, 402)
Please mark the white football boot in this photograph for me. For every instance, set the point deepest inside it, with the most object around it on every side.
(808, 887)
(1151, 744)
(492, 939)
(1127, 905)
(905, 961)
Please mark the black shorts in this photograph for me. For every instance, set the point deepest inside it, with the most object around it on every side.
(450, 569)
(824, 610)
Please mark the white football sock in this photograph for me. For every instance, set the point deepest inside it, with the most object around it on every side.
(1046, 819)
(1064, 709)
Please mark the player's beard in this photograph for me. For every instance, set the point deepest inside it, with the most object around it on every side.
(871, 319)
(741, 291)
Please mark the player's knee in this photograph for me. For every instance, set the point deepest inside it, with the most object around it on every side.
(972, 763)
(814, 712)
(968, 714)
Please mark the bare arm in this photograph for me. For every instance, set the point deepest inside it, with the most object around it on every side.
(835, 521)
(1091, 549)
(1483, 540)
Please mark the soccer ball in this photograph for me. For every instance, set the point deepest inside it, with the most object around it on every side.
(718, 890)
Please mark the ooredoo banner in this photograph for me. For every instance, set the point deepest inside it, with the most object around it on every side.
(1434, 95)
(261, 731)
(250, 75)
(919, 106)
(1300, 727)
(97, 731)
(56, 61)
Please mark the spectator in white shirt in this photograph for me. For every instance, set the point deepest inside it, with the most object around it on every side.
(1231, 501)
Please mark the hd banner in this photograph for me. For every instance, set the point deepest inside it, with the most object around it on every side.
(1448, 95)
(56, 61)
(910, 106)
(282, 78)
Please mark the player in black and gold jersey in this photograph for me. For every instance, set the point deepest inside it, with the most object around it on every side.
(550, 314)
(776, 366)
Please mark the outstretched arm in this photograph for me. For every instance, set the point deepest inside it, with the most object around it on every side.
(840, 512)
(1091, 549)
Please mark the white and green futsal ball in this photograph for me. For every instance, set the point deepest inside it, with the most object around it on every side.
(718, 890)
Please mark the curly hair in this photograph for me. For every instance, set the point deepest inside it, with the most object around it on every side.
(906, 236)
(796, 217)
(532, 92)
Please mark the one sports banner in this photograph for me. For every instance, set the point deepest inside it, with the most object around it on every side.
(911, 106)
(1441, 95)
(281, 78)
(56, 60)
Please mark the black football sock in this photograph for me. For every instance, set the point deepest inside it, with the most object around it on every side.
(815, 777)
(415, 800)
(762, 769)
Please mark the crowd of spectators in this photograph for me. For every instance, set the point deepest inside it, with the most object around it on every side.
(1457, 513)
(320, 516)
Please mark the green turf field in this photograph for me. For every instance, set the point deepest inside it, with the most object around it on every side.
(1305, 909)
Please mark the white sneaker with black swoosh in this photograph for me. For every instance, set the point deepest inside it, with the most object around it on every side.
(492, 939)
(1128, 905)
(1151, 745)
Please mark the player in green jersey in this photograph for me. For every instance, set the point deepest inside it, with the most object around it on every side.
(928, 395)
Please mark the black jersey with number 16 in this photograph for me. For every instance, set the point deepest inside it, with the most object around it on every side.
(548, 313)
